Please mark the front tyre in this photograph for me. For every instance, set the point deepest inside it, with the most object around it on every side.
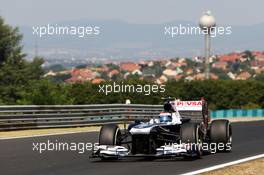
(190, 135)
(109, 135)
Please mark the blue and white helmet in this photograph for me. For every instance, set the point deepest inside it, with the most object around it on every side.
(165, 117)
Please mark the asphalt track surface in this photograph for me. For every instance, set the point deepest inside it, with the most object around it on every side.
(17, 157)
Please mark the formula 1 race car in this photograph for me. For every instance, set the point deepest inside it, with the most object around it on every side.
(182, 129)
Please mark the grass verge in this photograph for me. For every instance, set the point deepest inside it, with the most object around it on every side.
(254, 167)
(38, 132)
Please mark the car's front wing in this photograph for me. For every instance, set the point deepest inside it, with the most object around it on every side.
(105, 151)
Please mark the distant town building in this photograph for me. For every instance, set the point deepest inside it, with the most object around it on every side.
(231, 75)
(220, 65)
(97, 81)
(81, 75)
(230, 57)
(112, 73)
(170, 73)
(50, 73)
(243, 76)
(129, 66)
(137, 72)
(189, 71)
(162, 79)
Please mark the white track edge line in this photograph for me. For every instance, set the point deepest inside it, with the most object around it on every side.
(224, 165)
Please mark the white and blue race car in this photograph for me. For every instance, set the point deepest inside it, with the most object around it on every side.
(182, 129)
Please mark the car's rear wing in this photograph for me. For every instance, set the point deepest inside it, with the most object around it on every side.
(187, 105)
(197, 111)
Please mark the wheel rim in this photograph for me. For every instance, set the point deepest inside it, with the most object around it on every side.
(198, 141)
(116, 136)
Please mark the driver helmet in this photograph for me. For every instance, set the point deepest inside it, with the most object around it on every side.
(165, 117)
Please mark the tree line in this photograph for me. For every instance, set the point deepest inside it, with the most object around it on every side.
(220, 94)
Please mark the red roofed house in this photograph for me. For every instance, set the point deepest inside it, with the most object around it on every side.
(189, 71)
(112, 73)
(161, 80)
(213, 76)
(259, 70)
(257, 54)
(129, 66)
(81, 75)
(220, 65)
(243, 76)
(260, 58)
(97, 81)
(178, 77)
(101, 69)
(229, 58)
(257, 63)
(201, 76)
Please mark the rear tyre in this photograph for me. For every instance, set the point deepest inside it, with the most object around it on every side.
(109, 135)
(221, 133)
(190, 134)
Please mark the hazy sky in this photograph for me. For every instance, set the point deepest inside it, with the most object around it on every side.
(32, 12)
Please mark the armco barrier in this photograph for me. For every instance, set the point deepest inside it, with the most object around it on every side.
(48, 116)
(236, 113)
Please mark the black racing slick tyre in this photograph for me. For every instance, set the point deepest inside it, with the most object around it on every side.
(221, 133)
(109, 135)
(190, 134)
